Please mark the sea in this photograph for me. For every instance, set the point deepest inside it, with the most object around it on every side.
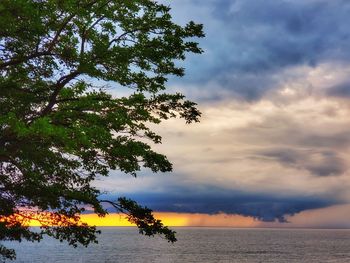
(200, 245)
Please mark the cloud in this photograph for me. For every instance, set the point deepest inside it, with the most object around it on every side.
(251, 44)
(208, 199)
(342, 90)
(272, 34)
(319, 163)
(262, 159)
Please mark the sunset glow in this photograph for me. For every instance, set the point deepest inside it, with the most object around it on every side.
(177, 219)
(170, 219)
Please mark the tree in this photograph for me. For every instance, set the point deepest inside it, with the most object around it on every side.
(60, 128)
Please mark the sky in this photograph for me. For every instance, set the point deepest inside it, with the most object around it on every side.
(272, 147)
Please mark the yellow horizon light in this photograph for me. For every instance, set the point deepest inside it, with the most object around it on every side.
(171, 219)
(115, 219)
(177, 220)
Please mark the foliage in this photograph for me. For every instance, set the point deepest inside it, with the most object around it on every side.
(60, 128)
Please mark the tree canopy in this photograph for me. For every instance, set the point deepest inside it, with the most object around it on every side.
(60, 127)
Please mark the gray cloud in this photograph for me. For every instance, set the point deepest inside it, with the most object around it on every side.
(337, 140)
(342, 90)
(319, 163)
(250, 40)
(274, 34)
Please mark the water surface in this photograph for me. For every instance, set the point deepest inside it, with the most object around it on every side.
(200, 245)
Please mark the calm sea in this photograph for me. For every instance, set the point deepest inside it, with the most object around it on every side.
(198, 245)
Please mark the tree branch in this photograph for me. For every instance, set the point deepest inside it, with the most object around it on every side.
(19, 60)
(57, 88)
(143, 218)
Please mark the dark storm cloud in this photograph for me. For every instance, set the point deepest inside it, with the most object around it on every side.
(212, 200)
(250, 40)
(318, 163)
(276, 34)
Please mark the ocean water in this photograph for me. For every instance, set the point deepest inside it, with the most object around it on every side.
(202, 245)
